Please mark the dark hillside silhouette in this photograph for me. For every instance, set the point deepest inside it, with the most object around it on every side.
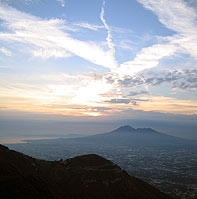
(82, 177)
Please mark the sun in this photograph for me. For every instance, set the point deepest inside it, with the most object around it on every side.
(91, 94)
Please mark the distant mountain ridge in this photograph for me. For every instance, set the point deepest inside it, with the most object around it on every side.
(124, 136)
(129, 129)
(125, 128)
(129, 136)
(83, 177)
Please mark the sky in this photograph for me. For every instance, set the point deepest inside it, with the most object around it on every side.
(115, 59)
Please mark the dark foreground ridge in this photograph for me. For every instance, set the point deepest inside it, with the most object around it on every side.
(82, 177)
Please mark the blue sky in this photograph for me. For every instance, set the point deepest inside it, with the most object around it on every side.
(98, 58)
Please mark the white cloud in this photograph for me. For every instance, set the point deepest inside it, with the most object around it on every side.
(180, 17)
(49, 34)
(47, 53)
(6, 51)
(147, 58)
(62, 3)
(89, 26)
(175, 15)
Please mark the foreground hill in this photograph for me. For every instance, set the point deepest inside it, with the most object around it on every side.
(82, 177)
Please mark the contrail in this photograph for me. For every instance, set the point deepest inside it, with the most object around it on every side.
(109, 36)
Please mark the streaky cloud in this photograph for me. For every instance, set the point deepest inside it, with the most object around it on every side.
(178, 16)
(147, 58)
(5, 51)
(49, 34)
(89, 26)
(109, 35)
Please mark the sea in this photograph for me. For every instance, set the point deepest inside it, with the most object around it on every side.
(21, 139)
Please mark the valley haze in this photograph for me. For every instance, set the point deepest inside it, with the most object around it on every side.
(167, 162)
